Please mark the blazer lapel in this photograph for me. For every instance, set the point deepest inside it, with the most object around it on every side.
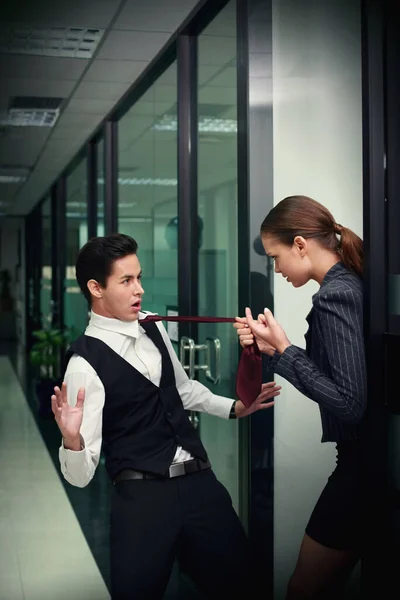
(307, 335)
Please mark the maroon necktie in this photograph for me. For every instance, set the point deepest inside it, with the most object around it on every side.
(249, 373)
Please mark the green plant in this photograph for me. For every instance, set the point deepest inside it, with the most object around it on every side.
(45, 352)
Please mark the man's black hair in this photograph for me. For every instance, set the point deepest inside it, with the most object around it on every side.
(96, 258)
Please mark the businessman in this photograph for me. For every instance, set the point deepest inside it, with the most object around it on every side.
(125, 391)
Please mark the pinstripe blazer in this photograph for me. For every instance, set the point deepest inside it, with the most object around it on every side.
(332, 371)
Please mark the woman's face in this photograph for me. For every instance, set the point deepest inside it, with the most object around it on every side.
(292, 262)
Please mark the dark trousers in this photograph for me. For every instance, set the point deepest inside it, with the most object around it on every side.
(190, 518)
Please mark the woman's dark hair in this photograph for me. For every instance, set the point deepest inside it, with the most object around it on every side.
(300, 215)
(96, 258)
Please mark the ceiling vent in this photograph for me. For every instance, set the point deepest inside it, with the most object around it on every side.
(26, 111)
(68, 42)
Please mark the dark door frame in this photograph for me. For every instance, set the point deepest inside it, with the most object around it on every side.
(381, 145)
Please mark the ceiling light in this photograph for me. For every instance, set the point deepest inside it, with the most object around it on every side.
(13, 174)
(74, 215)
(84, 204)
(31, 111)
(29, 117)
(137, 219)
(205, 124)
(76, 204)
(146, 181)
(143, 181)
(71, 42)
(11, 179)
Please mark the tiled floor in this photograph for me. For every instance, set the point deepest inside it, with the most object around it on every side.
(53, 536)
(44, 552)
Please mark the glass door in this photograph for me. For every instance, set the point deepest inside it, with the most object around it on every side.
(218, 297)
(217, 252)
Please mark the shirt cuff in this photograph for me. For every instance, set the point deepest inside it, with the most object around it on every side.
(72, 452)
(220, 406)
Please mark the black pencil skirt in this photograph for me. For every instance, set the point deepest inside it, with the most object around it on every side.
(338, 519)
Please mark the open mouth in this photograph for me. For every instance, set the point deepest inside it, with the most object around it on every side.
(136, 304)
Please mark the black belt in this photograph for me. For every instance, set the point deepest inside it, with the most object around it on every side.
(175, 470)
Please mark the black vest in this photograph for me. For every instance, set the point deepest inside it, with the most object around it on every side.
(142, 424)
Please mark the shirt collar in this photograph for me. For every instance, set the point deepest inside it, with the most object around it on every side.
(128, 328)
(335, 271)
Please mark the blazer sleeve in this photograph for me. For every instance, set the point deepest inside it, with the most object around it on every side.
(343, 393)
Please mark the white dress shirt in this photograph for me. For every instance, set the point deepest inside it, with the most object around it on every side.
(129, 340)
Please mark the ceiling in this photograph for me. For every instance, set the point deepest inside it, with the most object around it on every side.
(88, 78)
(147, 153)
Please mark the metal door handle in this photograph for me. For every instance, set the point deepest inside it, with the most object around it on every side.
(215, 342)
(188, 345)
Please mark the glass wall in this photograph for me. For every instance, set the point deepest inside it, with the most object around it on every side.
(75, 305)
(147, 210)
(45, 282)
(218, 256)
(260, 292)
(147, 188)
(33, 262)
(100, 187)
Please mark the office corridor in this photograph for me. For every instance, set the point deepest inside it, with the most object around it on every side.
(44, 553)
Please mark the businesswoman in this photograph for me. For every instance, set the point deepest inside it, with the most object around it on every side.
(304, 240)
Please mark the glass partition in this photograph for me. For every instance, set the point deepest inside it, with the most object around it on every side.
(218, 256)
(147, 188)
(45, 283)
(100, 188)
(75, 305)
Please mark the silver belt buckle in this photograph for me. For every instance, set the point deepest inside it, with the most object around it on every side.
(177, 469)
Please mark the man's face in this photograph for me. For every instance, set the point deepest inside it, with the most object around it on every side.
(122, 297)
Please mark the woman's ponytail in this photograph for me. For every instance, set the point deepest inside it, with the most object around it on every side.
(350, 249)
